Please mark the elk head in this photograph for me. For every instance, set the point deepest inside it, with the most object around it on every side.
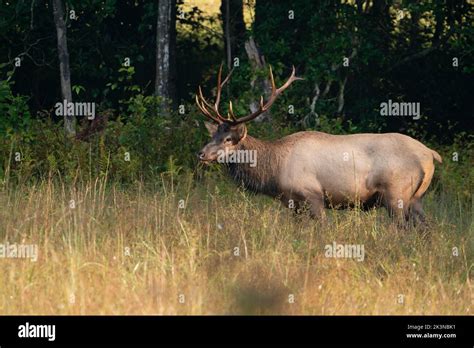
(227, 132)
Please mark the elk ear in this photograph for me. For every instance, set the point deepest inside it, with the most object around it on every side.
(241, 131)
(211, 128)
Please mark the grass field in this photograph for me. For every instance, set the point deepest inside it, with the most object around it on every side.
(171, 249)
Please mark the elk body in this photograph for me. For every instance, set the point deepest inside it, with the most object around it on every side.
(324, 170)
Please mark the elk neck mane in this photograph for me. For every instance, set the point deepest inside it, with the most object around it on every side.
(263, 177)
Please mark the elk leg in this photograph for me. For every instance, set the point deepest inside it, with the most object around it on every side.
(317, 206)
(397, 207)
(292, 203)
(416, 211)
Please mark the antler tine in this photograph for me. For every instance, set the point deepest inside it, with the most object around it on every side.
(290, 80)
(206, 112)
(219, 90)
(215, 115)
(201, 96)
(227, 77)
(275, 93)
(231, 112)
(272, 80)
(218, 118)
(203, 104)
(218, 93)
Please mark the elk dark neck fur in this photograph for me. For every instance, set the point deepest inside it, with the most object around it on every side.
(261, 178)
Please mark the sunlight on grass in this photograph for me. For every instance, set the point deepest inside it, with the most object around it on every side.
(135, 251)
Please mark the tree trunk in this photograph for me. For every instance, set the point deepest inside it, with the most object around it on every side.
(64, 70)
(257, 59)
(262, 85)
(165, 79)
(233, 27)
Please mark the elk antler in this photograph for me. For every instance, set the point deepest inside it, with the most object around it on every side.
(203, 104)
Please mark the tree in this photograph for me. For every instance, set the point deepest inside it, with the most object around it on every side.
(63, 56)
(233, 26)
(165, 85)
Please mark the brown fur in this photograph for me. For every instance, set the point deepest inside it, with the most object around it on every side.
(333, 170)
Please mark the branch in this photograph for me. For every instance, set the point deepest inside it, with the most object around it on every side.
(415, 56)
(340, 98)
(327, 88)
(423, 52)
(312, 106)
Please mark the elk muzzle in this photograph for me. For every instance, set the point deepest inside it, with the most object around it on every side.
(208, 153)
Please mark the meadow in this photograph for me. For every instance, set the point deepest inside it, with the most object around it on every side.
(187, 245)
(125, 221)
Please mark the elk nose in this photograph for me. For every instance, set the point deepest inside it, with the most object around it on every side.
(201, 155)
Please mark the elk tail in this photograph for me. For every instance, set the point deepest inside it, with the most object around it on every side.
(436, 156)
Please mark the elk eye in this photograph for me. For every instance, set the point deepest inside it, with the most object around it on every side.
(228, 140)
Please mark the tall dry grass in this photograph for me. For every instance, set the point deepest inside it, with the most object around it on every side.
(139, 250)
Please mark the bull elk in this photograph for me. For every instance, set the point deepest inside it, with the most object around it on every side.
(324, 170)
